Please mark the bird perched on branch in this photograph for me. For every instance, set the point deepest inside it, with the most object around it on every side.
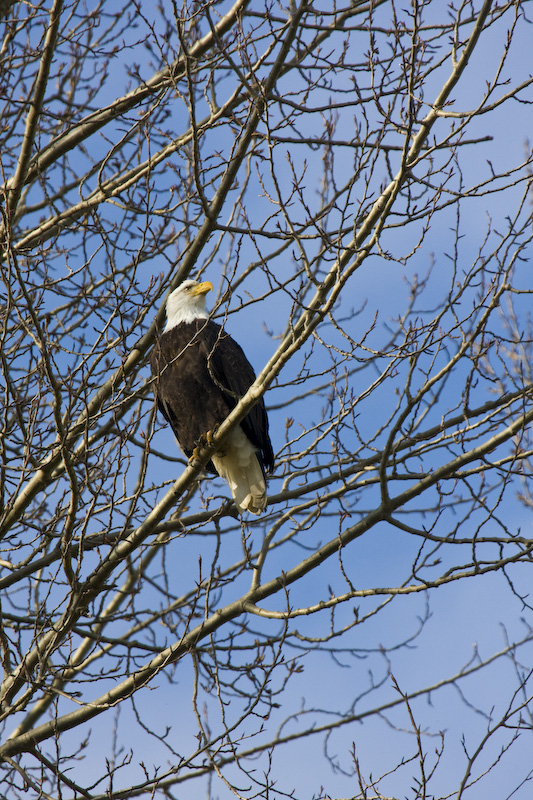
(200, 375)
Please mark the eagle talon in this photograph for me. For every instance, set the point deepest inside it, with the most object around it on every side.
(195, 460)
(209, 436)
(206, 440)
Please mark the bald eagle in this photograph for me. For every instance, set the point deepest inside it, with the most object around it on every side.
(200, 373)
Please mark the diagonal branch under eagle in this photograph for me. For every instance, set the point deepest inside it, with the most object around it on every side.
(200, 374)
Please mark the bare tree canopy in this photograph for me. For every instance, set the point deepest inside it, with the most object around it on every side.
(354, 179)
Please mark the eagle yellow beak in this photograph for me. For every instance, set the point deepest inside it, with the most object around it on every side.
(202, 288)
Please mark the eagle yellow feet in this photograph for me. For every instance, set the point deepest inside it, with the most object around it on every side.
(205, 440)
(208, 438)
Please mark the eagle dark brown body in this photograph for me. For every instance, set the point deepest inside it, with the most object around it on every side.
(200, 374)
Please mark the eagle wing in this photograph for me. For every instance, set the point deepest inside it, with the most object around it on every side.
(233, 374)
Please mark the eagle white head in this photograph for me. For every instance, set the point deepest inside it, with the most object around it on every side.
(187, 303)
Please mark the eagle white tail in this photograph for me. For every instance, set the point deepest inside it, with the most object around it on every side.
(238, 465)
